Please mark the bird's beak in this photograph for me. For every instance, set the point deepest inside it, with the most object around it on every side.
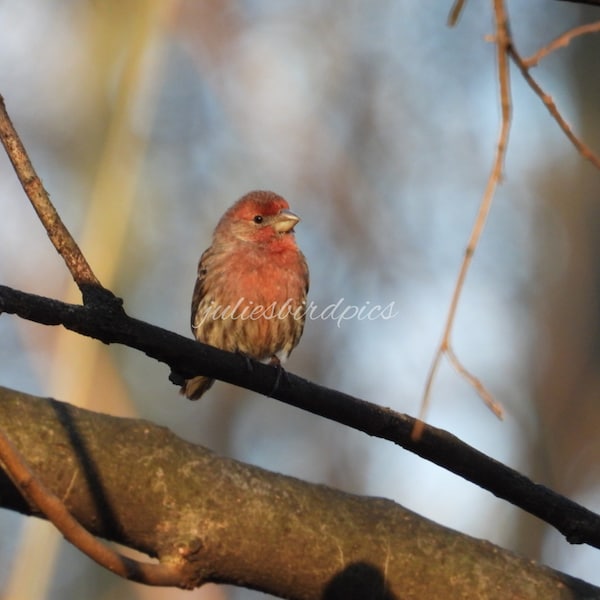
(285, 221)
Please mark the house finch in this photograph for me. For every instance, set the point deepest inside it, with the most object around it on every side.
(250, 293)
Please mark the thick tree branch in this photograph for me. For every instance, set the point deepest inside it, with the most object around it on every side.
(216, 519)
(189, 358)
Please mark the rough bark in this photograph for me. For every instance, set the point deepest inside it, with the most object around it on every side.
(221, 520)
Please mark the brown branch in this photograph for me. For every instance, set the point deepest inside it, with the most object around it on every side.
(503, 43)
(57, 231)
(225, 521)
(455, 12)
(188, 358)
(505, 49)
(55, 511)
(582, 148)
(475, 383)
(562, 41)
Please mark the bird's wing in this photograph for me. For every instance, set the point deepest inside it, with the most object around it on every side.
(199, 288)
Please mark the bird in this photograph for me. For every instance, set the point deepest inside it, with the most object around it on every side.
(252, 283)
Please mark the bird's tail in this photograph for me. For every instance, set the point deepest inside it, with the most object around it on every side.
(194, 388)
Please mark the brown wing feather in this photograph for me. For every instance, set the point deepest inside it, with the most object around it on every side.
(196, 387)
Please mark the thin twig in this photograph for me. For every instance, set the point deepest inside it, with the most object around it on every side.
(56, 512)
(57, 232)
(503, 43)
(475, 382)
(562, 41)
(455, 12)
(582, 148)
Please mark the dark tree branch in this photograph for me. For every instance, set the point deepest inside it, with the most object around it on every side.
(189, 358)
(216, 519)
(586, 2)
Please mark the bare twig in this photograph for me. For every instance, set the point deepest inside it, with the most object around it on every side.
(475, 383)
(455, 12)
(56, 512)
(582, 148)
(561, 41)
(57, 232)
(503, 43)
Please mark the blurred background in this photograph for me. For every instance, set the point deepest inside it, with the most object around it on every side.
(147, 119)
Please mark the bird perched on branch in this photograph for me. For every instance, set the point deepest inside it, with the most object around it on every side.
(250, 293)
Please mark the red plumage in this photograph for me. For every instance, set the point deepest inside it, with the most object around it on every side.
(250, 293)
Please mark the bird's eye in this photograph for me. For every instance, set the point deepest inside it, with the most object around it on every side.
(258, 219)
